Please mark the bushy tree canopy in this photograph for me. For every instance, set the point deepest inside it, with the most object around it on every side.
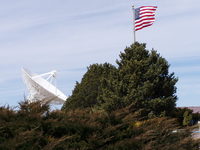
(119, 107)
(141, 79)
(30, 128)
(86, 93)
(145, 79)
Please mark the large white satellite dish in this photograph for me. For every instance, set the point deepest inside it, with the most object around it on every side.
(42, 89)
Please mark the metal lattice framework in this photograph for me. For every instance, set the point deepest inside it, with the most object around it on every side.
(41, 87)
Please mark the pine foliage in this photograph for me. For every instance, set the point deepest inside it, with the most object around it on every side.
(141, 79)
(86, 94)
(88, 129)
(130, 106)
(146, 81)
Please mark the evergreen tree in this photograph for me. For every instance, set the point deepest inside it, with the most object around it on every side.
(85, 93)
(28, 128)
(143, 82)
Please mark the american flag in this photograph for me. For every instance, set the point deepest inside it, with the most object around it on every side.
(144, 17)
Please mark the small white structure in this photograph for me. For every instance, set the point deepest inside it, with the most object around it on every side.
(41, 88)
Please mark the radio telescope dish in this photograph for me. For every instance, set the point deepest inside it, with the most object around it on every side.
(41, 88)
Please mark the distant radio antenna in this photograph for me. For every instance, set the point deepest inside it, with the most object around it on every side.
(41, 87)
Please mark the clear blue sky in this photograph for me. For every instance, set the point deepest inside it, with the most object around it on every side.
(68, 35)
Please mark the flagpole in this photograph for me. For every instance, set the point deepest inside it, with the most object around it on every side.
(134, 35)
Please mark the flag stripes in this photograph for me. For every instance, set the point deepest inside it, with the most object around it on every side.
(144, 17)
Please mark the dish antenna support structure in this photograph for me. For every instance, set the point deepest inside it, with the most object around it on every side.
(41, 87)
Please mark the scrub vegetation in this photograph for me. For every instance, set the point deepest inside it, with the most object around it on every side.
(128, 106)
